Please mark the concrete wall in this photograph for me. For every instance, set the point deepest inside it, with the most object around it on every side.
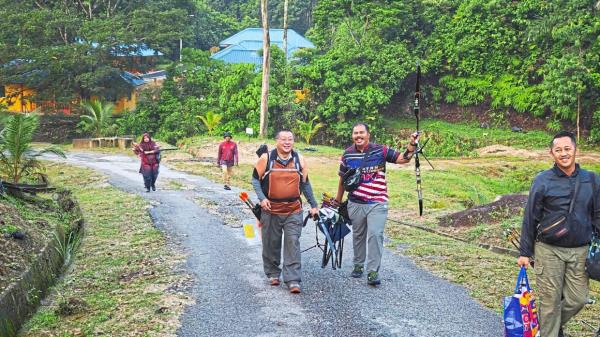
(20, 299)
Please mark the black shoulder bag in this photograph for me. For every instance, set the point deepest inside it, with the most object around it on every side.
(592, 262)
(554, 226)
(351, 179)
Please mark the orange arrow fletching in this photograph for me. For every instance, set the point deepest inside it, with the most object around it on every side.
(244, 196)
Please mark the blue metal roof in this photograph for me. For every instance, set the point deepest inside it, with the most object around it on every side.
(127, 49)
(135, 50)
(238, 54)
(154, 74)
(132, 79)
(295, 40)
(243, 47)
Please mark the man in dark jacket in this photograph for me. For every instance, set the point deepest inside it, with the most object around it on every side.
(562, 282)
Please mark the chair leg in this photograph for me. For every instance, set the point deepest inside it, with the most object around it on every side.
(325, 255)
(340, 251)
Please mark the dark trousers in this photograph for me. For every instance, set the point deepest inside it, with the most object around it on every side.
(150, 177)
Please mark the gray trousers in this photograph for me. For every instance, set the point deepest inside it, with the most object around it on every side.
(368, 223)
(562, 283)
(273, 226)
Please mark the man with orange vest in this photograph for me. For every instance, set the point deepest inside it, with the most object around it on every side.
(278, 179)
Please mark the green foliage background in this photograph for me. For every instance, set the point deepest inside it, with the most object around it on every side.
(540, 58)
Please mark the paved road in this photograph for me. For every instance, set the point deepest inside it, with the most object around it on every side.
(233, 299)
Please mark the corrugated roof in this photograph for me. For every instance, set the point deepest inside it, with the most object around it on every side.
(154, 74)
(127, 49)
(132, 79)
(295, 40)
(238, 54)
(243, 47)
(135, 50)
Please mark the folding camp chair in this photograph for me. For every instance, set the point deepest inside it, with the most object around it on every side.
(334, 227)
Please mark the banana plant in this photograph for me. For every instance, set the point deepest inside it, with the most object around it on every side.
(211, 120)
(308, 129)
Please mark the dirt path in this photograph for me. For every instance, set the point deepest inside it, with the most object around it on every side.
(487, 156)
(233, 299)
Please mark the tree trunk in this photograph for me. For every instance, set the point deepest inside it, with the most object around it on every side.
(264, 99)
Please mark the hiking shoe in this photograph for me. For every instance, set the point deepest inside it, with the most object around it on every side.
(274, 281)
(227, 187)
(373, 278)
(294, 287)
(357, 271)
(153, 188)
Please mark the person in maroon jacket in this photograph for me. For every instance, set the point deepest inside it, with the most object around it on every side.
(227, 157)
(147, 150)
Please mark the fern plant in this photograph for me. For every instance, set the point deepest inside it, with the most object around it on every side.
(97, 121)
(18, 159)
(308, 129)
(211, 120)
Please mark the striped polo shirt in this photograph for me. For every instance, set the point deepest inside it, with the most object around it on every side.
(373, 186)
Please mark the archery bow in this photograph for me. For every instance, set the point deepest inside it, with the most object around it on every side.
(419, 148)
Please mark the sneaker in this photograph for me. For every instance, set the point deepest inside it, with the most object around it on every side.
(373, 278)
(147, 190)
(357, 271)
(294, 287)
(227, 187)
(153, 188)
(274, 281)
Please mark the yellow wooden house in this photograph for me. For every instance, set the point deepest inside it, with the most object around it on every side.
(14, 97)
(18, 98)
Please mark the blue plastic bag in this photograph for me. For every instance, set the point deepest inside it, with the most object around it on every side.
(520, 311)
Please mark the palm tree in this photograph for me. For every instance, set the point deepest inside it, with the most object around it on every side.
(211, 120)
(308, 129)
(17, 158)
(98, 118)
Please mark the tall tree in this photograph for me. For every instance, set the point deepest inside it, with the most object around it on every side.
(69, 49)
(264, 98)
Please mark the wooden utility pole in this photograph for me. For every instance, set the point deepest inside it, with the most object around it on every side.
(286, 68)
(264, 98)
(578, 114)
(285, 28)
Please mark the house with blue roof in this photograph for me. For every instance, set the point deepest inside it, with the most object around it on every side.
(244, 46)
(18, 97)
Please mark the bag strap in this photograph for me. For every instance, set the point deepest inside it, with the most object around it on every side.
(594, 203)
(522, 280)
(577, 185)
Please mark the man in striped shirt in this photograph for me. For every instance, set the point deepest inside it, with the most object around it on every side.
(367, 204)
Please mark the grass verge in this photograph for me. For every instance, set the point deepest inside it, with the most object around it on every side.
(124, 280)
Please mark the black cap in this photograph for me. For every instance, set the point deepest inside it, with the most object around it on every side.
(227, 134)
